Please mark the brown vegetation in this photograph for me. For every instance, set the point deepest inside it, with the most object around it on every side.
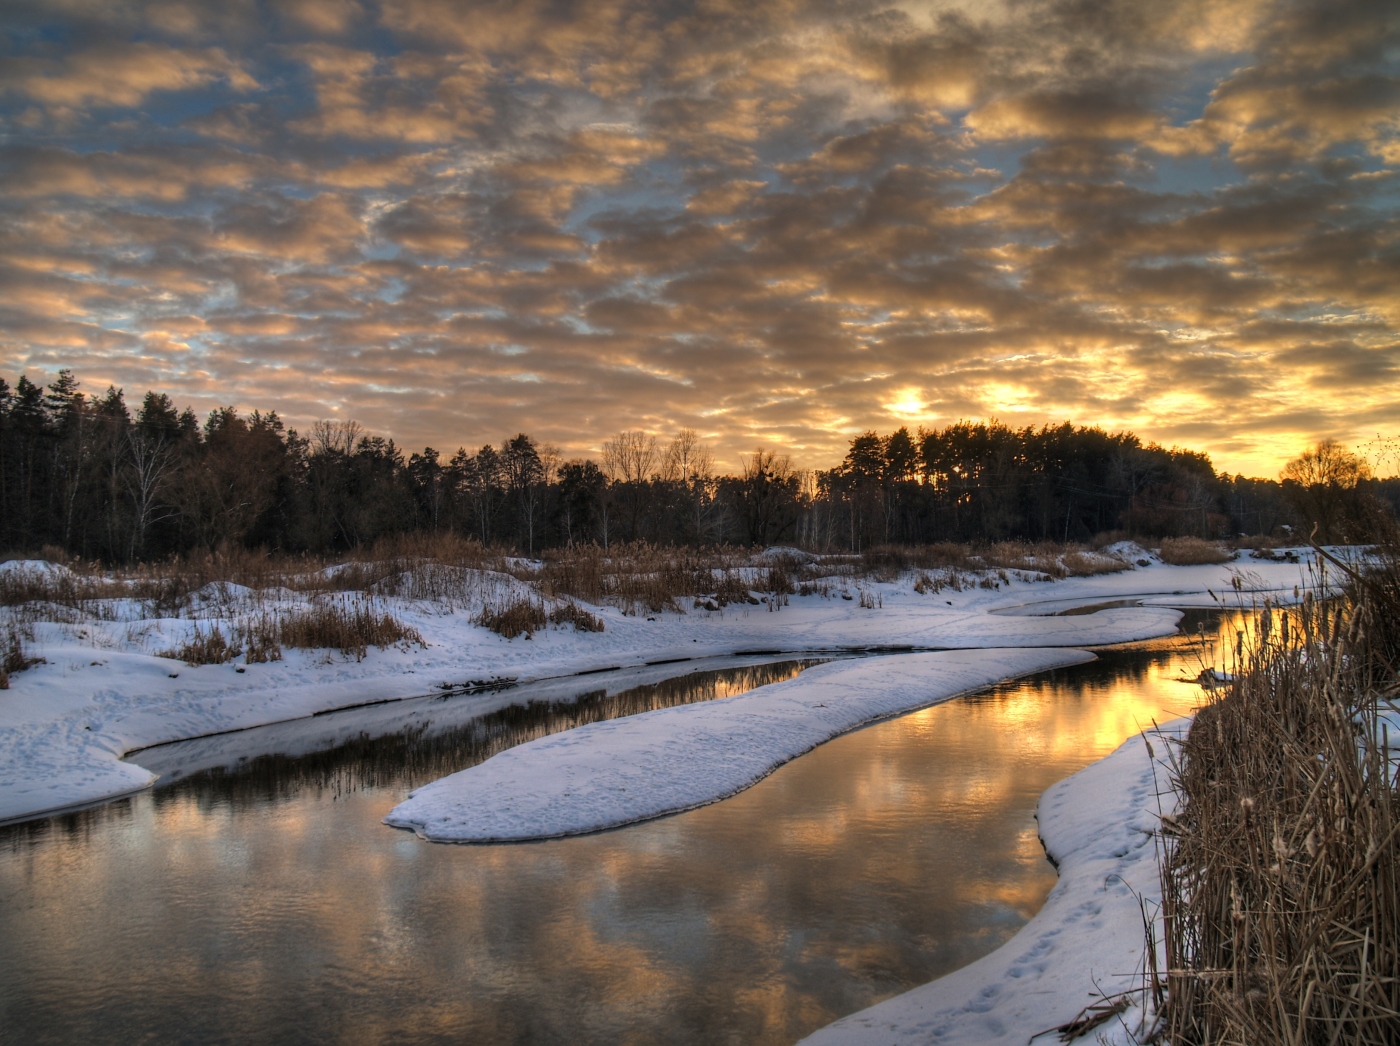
(519, 617)
(350, 625)
(205, 648)
(568, 613)
(12, 656)
(1185, 552)
(1281, 880)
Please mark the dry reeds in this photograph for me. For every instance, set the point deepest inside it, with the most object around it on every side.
(637, 576)
(12, 656)
(205, 648)
(1187, 552)
(1281, 891)
(520, 617)
(350, 625)
(886, 562)
(568, 613)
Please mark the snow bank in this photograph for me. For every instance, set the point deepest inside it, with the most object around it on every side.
(625, 770)
(39, 568)
(65, 724)
(1085, 943)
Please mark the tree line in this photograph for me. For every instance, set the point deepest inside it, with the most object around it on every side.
(88, 475)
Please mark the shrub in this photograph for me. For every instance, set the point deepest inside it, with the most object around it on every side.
(1087, 564)
(351, 626)
(733, 588)
(13, 658)
(262, 640)
(777, 581)
(1281, 880)
(1185, 552)
(567, 613)
(519, 617)
(205, 648)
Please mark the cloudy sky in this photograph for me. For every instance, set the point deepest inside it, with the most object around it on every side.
(775, 223)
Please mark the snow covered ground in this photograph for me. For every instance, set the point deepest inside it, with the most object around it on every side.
(104, 690)
(1084, 946)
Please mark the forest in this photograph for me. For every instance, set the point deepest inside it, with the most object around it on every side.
(90, 477)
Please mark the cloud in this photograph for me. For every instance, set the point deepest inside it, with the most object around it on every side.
(120, 75)
(765, 221)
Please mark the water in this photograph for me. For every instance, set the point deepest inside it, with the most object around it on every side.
(268, 904)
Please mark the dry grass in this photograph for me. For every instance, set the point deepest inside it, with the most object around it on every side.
(1088, 564)
(12, 656)
(351, 625)
(209, 647)
(1281, 884)
(637, 577)
(569, 613)
(1186, 552)
(520, 617)
(886, 562)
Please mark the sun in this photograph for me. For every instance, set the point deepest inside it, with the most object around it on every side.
(910, 404)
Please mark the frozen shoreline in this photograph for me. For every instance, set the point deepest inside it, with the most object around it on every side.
(65, 725)
(618, 772)
(1087, 942)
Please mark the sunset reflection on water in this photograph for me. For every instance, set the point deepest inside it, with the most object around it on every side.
(875, 863)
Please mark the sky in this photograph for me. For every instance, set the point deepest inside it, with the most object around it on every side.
(778, 224)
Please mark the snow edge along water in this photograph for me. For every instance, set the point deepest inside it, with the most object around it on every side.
(623, 771)
(68, 725)
(1087, 942)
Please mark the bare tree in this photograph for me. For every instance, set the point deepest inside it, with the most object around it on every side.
(767, 496)
(1322, 484)
(335, 437)
(630, 457)
(550, 460)
(1329, 464)
(149, 462)
(687, 458)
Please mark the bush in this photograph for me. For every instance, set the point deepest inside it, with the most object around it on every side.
(520, 617)
(13, 658)
(567, 613)
(205, 648)
(262, 639)
(1186, 552)
(732, 588)
(351, 626)
(1281, 880)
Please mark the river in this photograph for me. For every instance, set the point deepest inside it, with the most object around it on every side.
(258, 898)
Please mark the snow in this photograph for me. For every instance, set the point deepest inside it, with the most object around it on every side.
(1085, 944)
(105, 691)
(621, 771)
(34, 568)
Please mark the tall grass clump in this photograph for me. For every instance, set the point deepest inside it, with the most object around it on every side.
(636, 576)
(350, 625)
(519, 617)
(1187, 552)
(12, 656)
(1281, 891)
(205, 647)
(569, 613)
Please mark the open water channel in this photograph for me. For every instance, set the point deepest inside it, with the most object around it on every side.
(257, 898)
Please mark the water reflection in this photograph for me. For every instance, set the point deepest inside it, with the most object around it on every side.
(409, 745)
(876, 862)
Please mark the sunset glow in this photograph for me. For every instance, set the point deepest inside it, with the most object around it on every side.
(776, 223)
